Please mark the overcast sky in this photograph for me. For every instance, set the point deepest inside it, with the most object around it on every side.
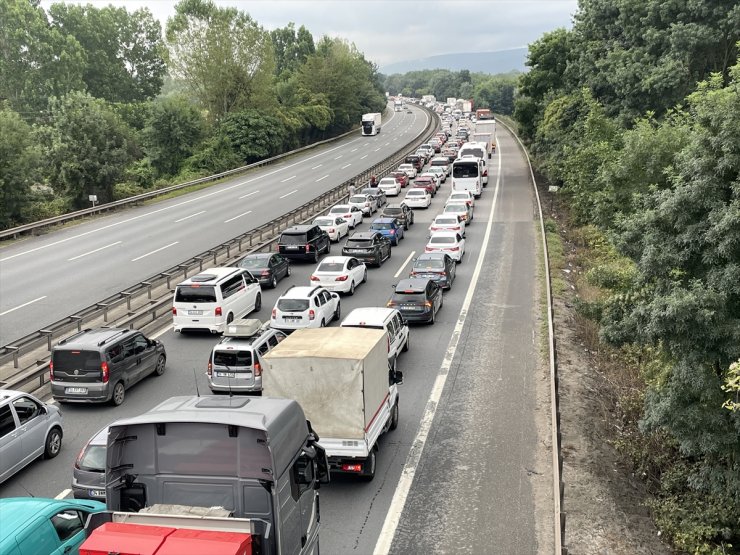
(394, 31)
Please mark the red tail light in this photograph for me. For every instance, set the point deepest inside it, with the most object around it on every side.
(174, 311)
(341, 278)
(347, 216)
(308, 247)
(311, 314)
(428, 304)
(390, 304)
(485, 173)
(454, 249)
(257, 369)
(219, 312)
(51, 370)
(104, 370)
(315, 278)
(428, 249)
(209, 370)
(274, 313)
(351, 468)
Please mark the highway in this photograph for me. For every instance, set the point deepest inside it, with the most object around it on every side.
(48, 277)
(467, 470)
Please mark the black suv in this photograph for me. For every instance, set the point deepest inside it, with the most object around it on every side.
(417, 299)
(401, 212)
(368, 246)
(100, 365)
(304, 242)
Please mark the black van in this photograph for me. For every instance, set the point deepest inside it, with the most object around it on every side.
(416, 161)
(304, 242)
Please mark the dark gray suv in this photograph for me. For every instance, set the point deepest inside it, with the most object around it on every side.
(98, 366)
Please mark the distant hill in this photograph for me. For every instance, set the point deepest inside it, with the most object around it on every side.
(499, 61)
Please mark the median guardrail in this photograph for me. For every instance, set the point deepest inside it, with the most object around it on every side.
(146, 304)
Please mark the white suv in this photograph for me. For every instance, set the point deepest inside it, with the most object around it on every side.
(305, 307)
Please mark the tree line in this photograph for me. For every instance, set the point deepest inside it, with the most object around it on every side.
(635, 113)
(496, 92)
(101, 101)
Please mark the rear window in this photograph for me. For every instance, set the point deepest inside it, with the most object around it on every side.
(393, 211)
(339, 210)
(442, 240)
(252, 263)
(408, 297)
(70, 360)
(416, 193)
(93, 459)
(293, 305)
(461, 171)
(390, 182)
(381, 226)
(358, 198)
(293, 239)
(232, 358)
(426, 264)
(446, 221)
(455, 208)
(359, 243)
(330, 267)
(195, 294)
(324, 221)
(477, 152)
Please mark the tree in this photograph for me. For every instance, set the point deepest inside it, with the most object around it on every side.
(223, 55)
(124, 51)
(174, 129)
(292, 49)
(18, 164)
(253, 134)
(87, 147)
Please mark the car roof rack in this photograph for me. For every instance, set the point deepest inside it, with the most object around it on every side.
(74, 336)
(112, 337)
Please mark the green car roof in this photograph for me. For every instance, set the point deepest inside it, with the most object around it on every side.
(15, 512)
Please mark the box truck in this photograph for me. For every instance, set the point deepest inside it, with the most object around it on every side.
(485, 139)
(211, 475)
(342, 379)
(371, 124)
(398, 105)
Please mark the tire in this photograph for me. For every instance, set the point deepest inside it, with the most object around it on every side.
(287, 272)
(364, 276)
(461, 258)
(434, 317)
(315, 256)
(378, 260)
(258, 303)
(390, 251)
(328, 247)
(351, 289)
(53, 443)
(395, 242)
(119, 394)
(273, 283)
(394, 416)
(323, 323)
(338, 312)
(406, 345)
(229, 318)
(159, 368)
(368, 468)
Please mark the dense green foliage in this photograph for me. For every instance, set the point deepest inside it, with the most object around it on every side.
(84, 108)
(614, 115)
(496, 92)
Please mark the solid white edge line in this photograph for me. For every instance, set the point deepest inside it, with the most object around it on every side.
(93, 251)
(387, 533)
(21, 306)
(398, 273)
(191, 216)
(288, 194)
(154, 251)
(64, 494)
(239, 216)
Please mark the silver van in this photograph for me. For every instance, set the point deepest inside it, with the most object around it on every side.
(235, 364)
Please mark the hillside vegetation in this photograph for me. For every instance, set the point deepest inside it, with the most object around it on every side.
(635, 113)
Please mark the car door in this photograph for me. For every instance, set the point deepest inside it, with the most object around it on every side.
(128, 367)
(145, 353)
(385, 245)
(403, 331)
(436, 294)
(69, 526)
(253, 288)
(357, 270)
(31, 418)
(327, 306)
(11, 443)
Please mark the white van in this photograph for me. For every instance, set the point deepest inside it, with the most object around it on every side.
(467, 175)
(388, 319)
(214, 298)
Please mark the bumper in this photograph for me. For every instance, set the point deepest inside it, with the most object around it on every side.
(422, 317)
(96, 392)
(181, 323)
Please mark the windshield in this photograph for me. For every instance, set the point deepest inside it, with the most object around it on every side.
(292, 305)
(195, 294)
(429, 264)
(93, 459)
(442, 240)
(465, 170)
(331, 267)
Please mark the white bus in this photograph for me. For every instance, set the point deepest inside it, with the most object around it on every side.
(467, 175)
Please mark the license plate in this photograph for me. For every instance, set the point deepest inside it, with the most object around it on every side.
(357, 250)
(292, 318)
(75, 390)
(225, 374)
(292, 247)
(96, 492)
(195, 313)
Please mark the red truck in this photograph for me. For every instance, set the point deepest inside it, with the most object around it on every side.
(483, 113)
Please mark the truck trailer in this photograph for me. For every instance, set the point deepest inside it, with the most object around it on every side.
(342, 379)
(371, 124)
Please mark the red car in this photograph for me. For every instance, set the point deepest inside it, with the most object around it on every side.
(402, 178)
(426, 183)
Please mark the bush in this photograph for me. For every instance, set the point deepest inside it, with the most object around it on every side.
(126, 190)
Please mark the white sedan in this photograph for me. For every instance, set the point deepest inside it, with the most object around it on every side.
(416, 197)
(335, 226)
(366, 203)
(351, 214)
(408, 169)
(390, 186)
(448, 222)
(439, 172)
(447, 242)
(340, 273)
(461, 196)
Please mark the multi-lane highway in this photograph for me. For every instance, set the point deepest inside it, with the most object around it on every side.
(467, 469)
(46, 278)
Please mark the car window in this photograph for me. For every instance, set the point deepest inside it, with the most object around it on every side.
(325, 295)
(140, 344)
(93, 459)
(195, 294)
(115, 353)
(128, 348)
(292, 305)
(232, 286)
(293, 239)
(7, 422)
(317, 300)
(232, 358)
(262, 349)
(339, 221)
(330, 267)
(26, 409)
(67, 524)
(273, 340)
(397, 319)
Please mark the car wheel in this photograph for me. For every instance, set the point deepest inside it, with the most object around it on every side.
(159, 368)
(328, 247)
(338, 311)
(287, 272)
(394, 416)
(459, 261)
(433, 318)
(323, 323)
(364, 276)
(229, 318)
(389, 253)
(395, 241)
(406, 345)
(258, 303)
(368, 468)
(378, 260)
(351, 289)
(316, 255)
(53, 443)
(119, 394)
(273, 282)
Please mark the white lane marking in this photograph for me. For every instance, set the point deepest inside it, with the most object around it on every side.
(287, 179)
(338, 157)
(320, 178)
(154, 251)
(361, 158)
(377, 149)
(191, 216)
(288, 194)
(248, 194)
(385, 539)
(354, 149)
(346, 166)
(317, 167)
(239, 216)
(398, 273)
(21, 306)
(93, 251)
(386, 144)
(64, 494)
(170, 207)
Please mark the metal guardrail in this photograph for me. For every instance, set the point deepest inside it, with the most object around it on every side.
(56, 220)
(146, 303)
(557, 456)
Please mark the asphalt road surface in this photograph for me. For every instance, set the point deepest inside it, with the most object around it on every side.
(465, 470)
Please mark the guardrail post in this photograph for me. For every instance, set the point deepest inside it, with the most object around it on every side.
(148, 285)
(79, 322)
(48, 334)
(128, 301)
(15, 355)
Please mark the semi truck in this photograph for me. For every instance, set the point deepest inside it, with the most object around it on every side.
(371, 124)
(211, 475)
(342, 379)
